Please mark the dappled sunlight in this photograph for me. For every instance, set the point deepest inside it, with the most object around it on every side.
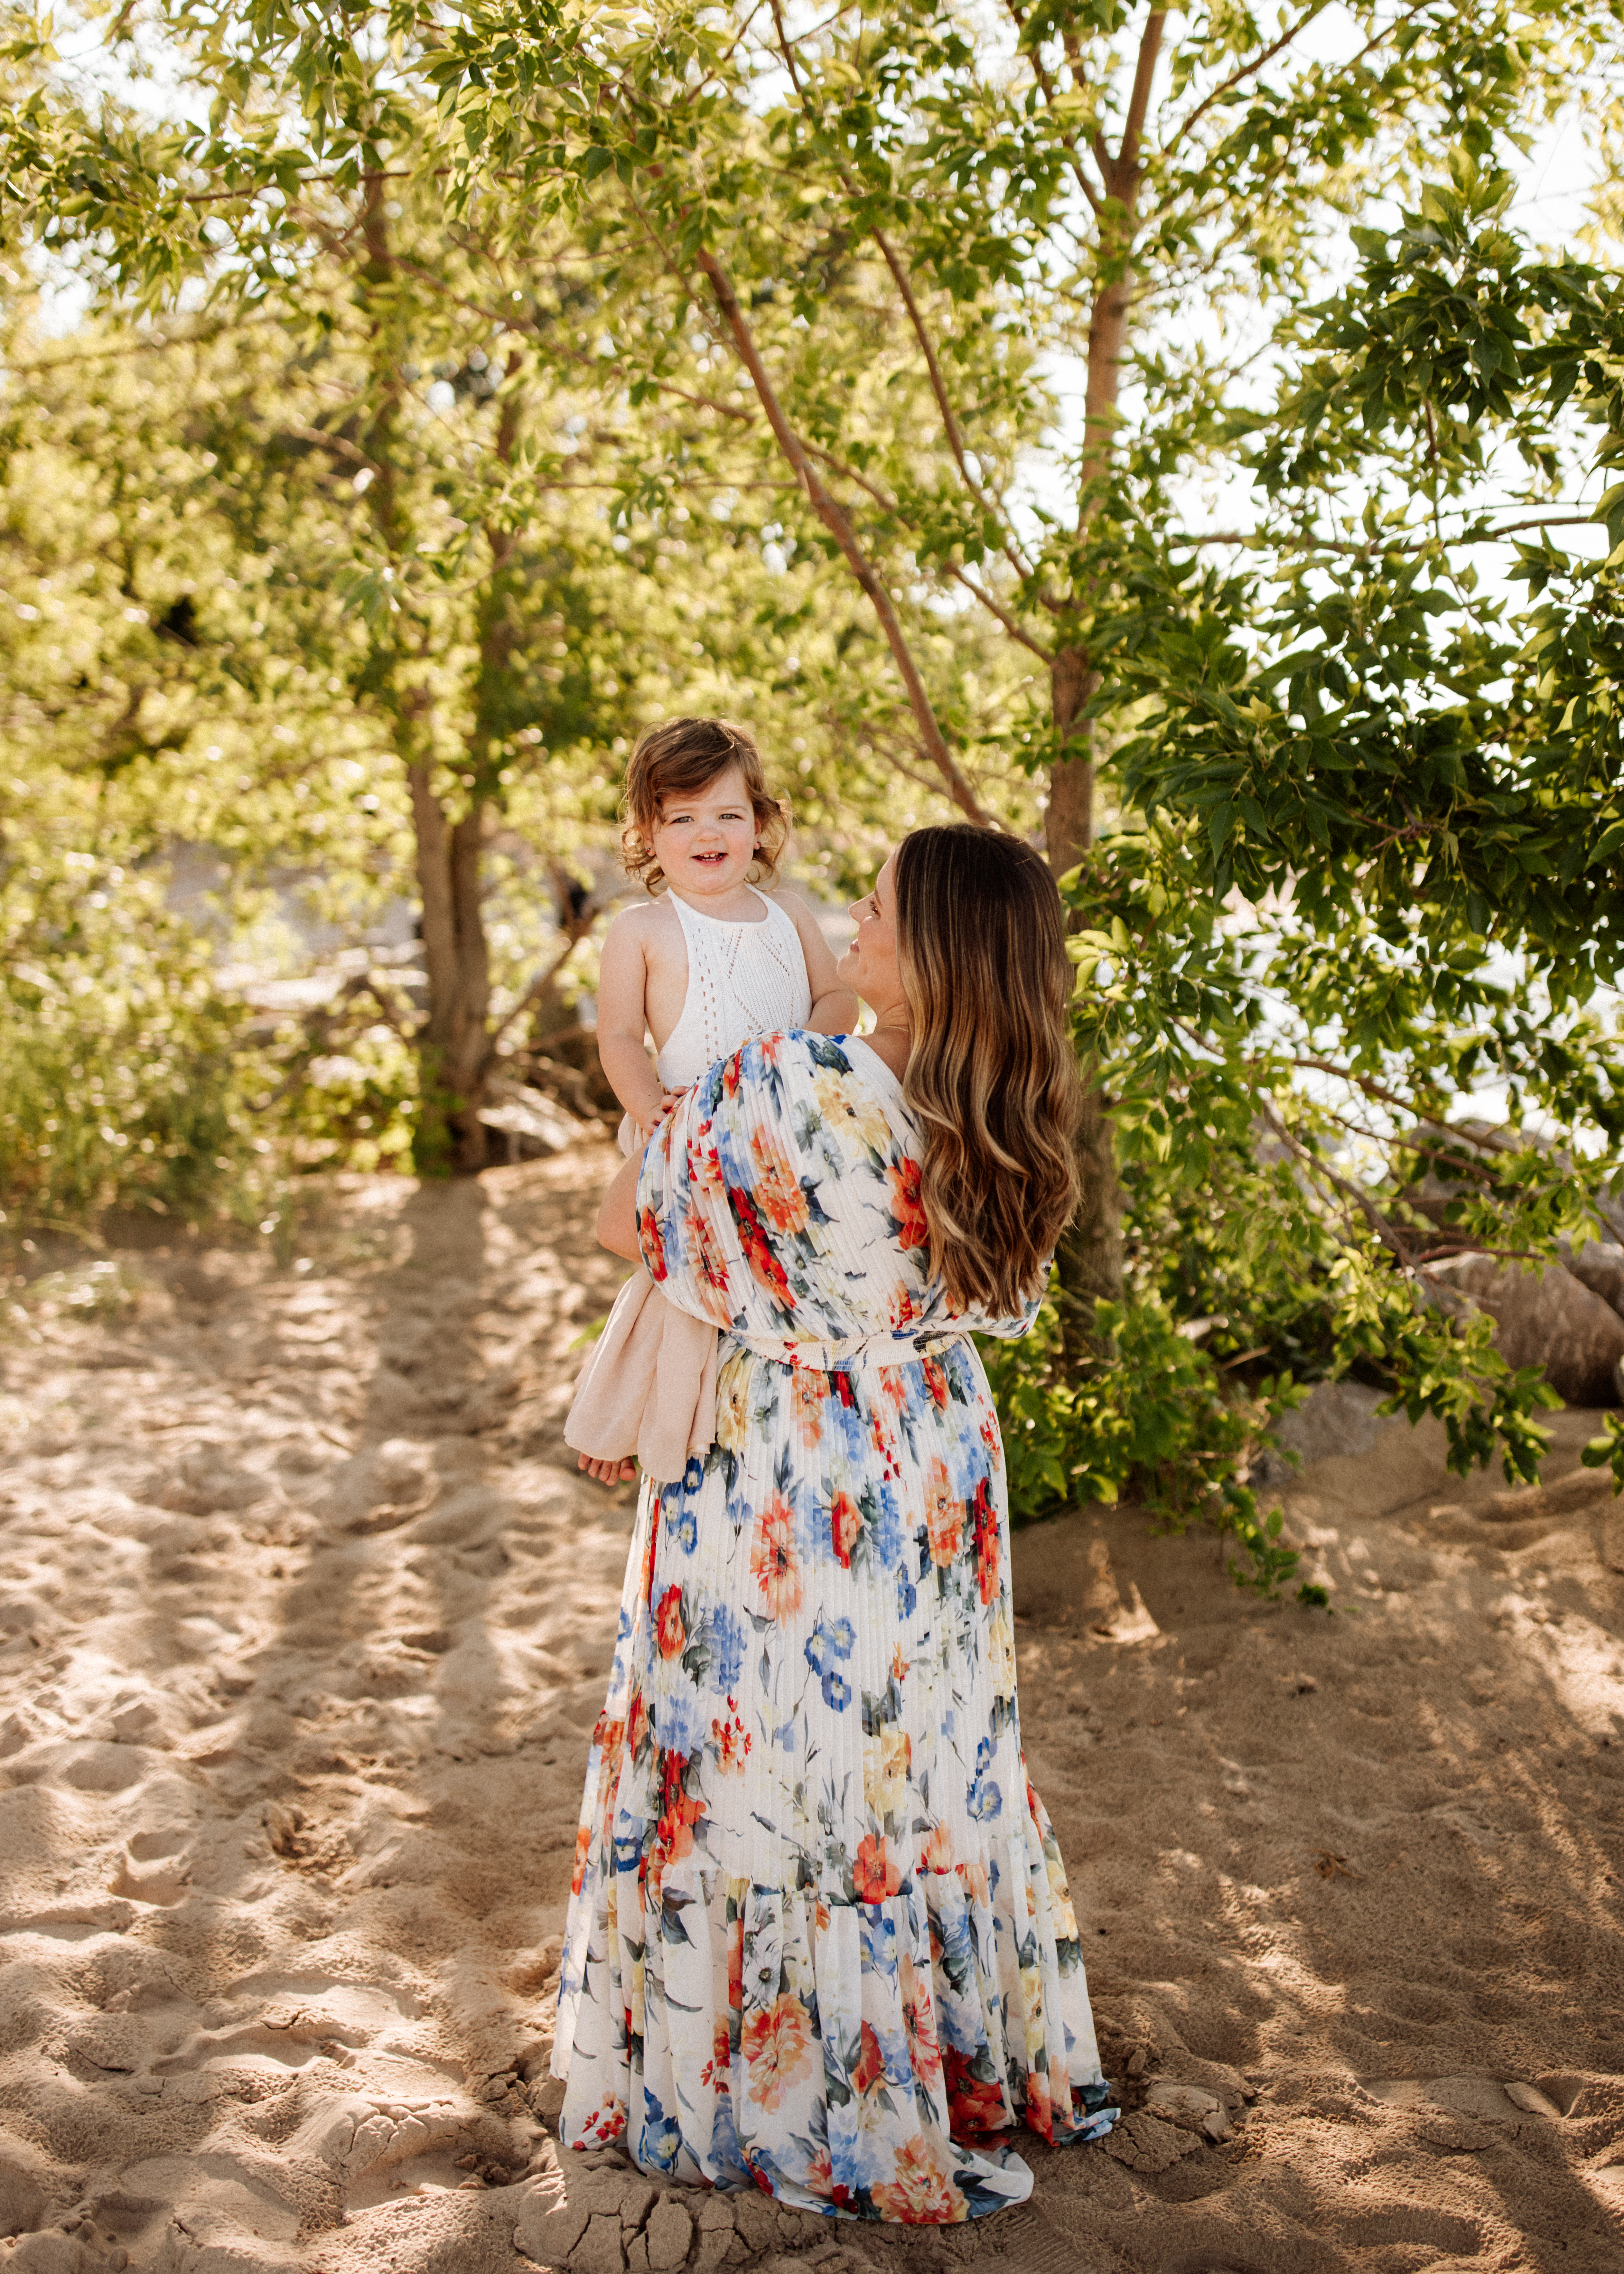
(1357, 1875)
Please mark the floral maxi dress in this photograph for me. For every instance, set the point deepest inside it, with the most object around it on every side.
(819, 1938)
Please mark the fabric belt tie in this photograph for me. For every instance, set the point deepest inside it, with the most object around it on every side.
(848, 1353)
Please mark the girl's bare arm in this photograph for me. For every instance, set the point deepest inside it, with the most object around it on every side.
(617, 1215)
(834, 1007)
(622, 986)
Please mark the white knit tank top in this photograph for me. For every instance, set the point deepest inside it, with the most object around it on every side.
(743, 979)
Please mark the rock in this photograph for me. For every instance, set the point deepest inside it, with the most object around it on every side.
(1531, 2101)
(668, 2234)
(1600, 1266)
(1336, 1418)
(1144, 2144)
(1545, 1318)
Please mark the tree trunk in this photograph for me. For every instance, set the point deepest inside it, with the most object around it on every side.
(1068, 825)
(1090, 1253)
(452, 1048)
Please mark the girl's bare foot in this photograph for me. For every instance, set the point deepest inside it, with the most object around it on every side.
(609, 1473)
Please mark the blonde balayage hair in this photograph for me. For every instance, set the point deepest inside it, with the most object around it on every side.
(980, 952)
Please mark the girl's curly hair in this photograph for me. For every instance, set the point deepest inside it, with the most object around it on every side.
(678, 758)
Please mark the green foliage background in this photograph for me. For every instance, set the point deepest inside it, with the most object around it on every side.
(454, 397)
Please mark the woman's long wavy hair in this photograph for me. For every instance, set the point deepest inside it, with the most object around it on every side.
(993, 1078)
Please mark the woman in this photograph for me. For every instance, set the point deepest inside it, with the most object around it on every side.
(820, 1938)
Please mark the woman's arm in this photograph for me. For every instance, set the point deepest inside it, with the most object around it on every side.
(834, 1007)
(616, 1217)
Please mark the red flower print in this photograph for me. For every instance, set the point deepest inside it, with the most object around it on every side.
(846, 1527)
(636, 1723)
(777, 2043)
(870, 2069)
(920, 2014)
(907, 1210)
(652, 1247)
(583, 1849)
(936, 1382)
(668, 1623)
(774, 1565)
(674, 1835)
(733, 1739)
(973, 2103)
(704, 1164)
(735, 1964)
(944, 1515)
(718, 2068)
(700, 1242)
(765, 1269)
(777, 1191)
(985, 1542)
(876, 1873)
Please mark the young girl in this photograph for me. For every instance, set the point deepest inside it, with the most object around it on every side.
(701, 969)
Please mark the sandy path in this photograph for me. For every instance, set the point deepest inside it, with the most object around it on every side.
(303, 1620)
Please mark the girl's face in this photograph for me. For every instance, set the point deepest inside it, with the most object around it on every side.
(869, 964)
(706, 841)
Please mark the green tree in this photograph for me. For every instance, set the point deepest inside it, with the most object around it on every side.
(439, 428)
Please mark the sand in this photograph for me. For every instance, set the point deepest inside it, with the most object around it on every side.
(304, 1619)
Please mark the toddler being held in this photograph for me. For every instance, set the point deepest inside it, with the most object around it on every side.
(713, 960)
(708, 961)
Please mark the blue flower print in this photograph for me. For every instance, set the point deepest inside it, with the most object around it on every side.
(662, 2138)
(826, 1642)
(725, 1630)
(837, 1689)
(676, 1721)
(986, 1802)
(879, 1942)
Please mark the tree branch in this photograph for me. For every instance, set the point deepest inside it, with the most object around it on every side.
(1262, 538)
(949, 422)
(340, 446)
(1138, 101)
(938, 386)
(533, 993)
(834, 519)
(1246, 70)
